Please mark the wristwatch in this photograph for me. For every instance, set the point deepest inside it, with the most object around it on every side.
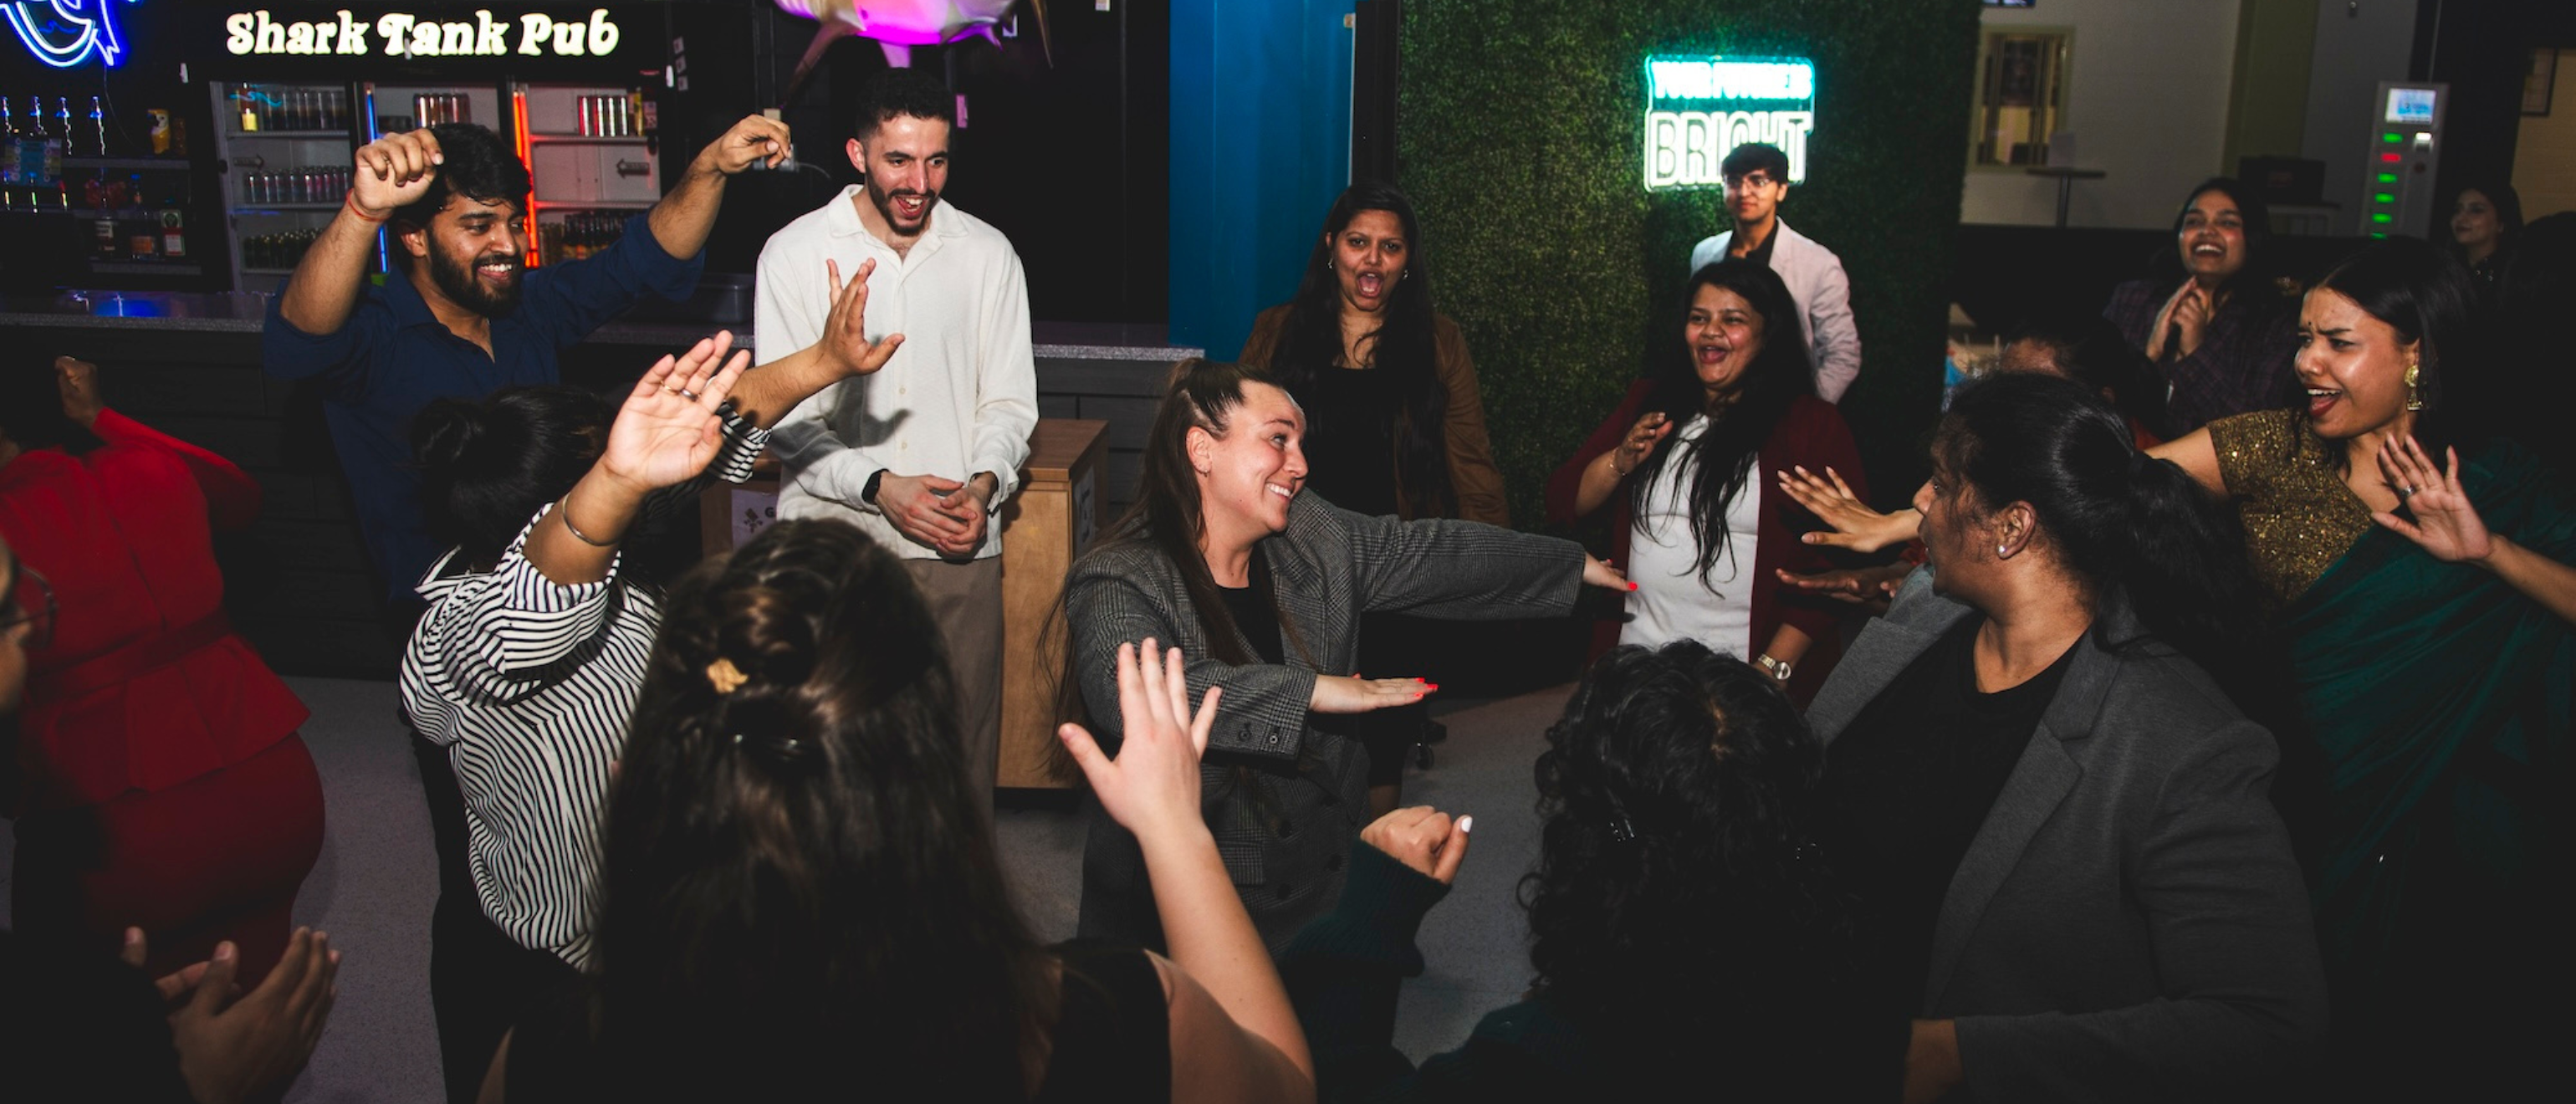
(1777, 669)
(868, 494)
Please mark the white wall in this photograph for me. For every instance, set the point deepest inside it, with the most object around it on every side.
(2147, 104)
(2359, 44)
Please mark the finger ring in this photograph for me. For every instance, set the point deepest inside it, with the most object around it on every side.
(685, 393)
(2404, 493)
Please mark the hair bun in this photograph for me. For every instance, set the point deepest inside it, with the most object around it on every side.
(444, 431)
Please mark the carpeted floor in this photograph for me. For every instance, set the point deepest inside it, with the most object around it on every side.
(377, 878)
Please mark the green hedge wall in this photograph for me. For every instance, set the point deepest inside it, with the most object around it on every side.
(1519, 137)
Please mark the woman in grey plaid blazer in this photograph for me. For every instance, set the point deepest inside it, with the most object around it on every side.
(1263, 588)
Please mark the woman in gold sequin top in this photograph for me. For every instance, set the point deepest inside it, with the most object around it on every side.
(2430, 614)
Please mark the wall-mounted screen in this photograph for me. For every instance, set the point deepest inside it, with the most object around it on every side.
(2410, 105)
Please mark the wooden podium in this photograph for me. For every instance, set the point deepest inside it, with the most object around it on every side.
(1058, 510)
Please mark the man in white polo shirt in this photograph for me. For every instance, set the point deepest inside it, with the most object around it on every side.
(921, 454)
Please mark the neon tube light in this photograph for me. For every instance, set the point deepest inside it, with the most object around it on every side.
(65, 33)
(1698, 109)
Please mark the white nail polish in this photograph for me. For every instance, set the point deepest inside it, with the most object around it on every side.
(1466, 824)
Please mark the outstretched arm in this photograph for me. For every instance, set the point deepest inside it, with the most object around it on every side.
(1152, 790)
(680, 222)
(390, 172)
(664, 435)
(1855, 525)
(2447, 525)
(765, 394)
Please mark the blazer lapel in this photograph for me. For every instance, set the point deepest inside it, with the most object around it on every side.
(1884, 650)
(2047, 772)
(2039, 782)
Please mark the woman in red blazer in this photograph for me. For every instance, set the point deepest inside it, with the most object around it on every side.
(161, 782)
(1684, 465)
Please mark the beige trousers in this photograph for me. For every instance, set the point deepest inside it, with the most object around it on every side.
(966, 600)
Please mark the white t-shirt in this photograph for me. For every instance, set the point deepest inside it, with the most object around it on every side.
(1673, 601)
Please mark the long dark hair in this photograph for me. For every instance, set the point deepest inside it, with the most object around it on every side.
(1167, 513)
(2131, 525)
(1677, 895)
(1406, 347)
(485, 466)
(797, 890)
(2259, 263)
(2508, 211)
(2423, 292)
(1722, 458)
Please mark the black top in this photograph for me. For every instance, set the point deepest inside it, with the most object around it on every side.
(1350, 438)
(1112, 1037)
(1907, 786)
(1761, 254)
(1256, 611)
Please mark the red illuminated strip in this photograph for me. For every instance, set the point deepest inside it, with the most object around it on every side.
(528, 218)
(2392, 158)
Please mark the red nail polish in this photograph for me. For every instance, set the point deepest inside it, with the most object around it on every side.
(1632, 586)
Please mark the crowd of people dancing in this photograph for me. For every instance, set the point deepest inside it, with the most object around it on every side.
(2198, 732)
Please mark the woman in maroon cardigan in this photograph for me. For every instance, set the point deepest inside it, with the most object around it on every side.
(163, 785)
(1688, 466)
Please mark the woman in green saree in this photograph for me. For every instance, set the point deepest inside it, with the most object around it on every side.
(2430, 613)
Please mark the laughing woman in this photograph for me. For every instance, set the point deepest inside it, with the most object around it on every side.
(1395, 422)
(1682, 465)
(1264, 587)
(2431, 614)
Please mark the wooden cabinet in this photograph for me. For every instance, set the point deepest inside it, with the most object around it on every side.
(1060, 507)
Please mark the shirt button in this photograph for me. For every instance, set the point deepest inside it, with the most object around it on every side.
(903, 390)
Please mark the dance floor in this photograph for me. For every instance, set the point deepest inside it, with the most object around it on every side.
(377, 877)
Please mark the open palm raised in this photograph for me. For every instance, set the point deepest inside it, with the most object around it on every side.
(668, 429)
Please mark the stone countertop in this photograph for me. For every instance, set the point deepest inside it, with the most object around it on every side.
(246, 312)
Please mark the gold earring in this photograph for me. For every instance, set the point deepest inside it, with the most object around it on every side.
(2414, 401)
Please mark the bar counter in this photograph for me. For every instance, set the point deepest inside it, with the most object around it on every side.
(297, 581)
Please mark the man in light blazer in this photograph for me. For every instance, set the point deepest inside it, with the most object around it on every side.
(2129, 922)
(1757, 179)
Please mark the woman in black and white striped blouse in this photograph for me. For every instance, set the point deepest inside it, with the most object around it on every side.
(525, 667)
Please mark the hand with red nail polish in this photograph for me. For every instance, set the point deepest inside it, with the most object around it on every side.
(1599, 573)
(1335, 694)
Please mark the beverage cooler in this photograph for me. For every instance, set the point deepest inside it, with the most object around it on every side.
(291, 112)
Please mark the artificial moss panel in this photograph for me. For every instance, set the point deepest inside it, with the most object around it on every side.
(1519, 140)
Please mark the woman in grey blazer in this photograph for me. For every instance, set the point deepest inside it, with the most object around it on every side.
(2058, 823)
(1263, 588)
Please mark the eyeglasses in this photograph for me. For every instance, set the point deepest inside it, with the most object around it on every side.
(1751, 180)
(31, 603)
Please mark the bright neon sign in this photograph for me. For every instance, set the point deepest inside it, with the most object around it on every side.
(65, 33)
(1700, 108)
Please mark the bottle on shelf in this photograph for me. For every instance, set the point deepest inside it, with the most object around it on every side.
(97, 128)
(8, 157)
(174, 238)
(246, 107)
(45, 149)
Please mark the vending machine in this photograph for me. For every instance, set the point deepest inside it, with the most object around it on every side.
(2405, 158)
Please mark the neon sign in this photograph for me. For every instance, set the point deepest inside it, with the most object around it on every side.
(406, 34)
(65, 33)
(1700, 108)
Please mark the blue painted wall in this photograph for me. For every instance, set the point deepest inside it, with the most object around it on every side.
(1260, 148)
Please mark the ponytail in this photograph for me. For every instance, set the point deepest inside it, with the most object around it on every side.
(2136, 527)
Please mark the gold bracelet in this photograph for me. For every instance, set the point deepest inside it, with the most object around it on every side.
(563, 510)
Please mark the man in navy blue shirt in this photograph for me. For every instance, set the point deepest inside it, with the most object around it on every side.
(459, 318)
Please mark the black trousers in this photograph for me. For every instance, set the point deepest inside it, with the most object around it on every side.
(480, 979)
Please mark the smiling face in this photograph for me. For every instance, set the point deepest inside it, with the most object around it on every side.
(1754, 197)
(1248, 476)
(474, 251)
(1724, 334)
(906, 162)
(2353, 365)
(2212, 238)
(1368, 259)
(2475, 226)
(1951, 530)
